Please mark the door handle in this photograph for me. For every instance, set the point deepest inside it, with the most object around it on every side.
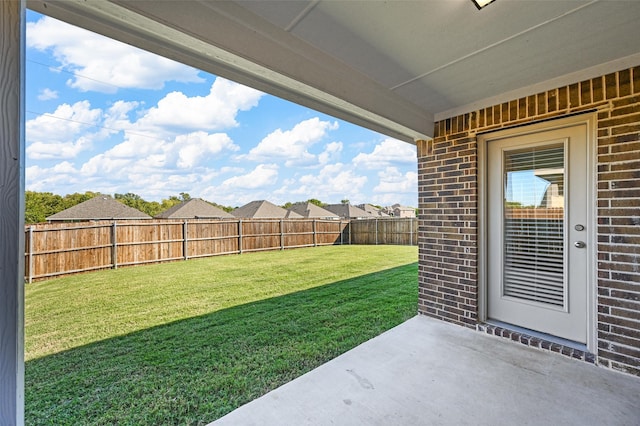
(580, 244)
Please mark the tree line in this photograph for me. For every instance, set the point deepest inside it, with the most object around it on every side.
(40, 205)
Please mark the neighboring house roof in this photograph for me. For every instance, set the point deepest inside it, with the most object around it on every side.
(348, 211)
(401, 207)
(311, 210)
(194, 208)
(372, 210)
(262, 209)
(403, 211)
(102, 207)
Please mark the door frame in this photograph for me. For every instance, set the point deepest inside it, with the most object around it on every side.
(590, 121)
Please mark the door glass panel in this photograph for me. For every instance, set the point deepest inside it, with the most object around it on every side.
(534, 225)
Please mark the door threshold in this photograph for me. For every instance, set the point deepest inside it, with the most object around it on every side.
(538, 340)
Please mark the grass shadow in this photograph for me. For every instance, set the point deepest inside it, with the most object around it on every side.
(196, 370)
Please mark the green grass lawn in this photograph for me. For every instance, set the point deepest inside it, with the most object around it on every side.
(187, 342)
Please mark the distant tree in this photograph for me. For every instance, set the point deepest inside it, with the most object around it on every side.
(513, 204)
(318, 202)
(184, 196)
(76, 198)
(220, 206)
(345, 201)
(152, 208)
(40, 205)
(135, 201)
(130, 199)
(170, 202)
(315, 201)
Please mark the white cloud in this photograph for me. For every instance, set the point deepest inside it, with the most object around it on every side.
(47, 94)
(103, 165)
(395, 186)
(145, 155)
(148, 144)
(136, 146)
(292, 145)
(332, 182)
(241, 188)
(195, 148)
(331, 153)
(215, 111)
(394, 182)
(160, 185)
(64, 133)
(117, 116)
(43, 179)
(389, 152)
(102, 64)
(262, 176)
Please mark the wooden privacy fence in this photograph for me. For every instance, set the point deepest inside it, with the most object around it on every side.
(66, 248)
(400, 231)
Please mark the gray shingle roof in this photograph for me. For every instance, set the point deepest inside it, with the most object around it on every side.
(372, 210)
(262, 209)
(347, 211)
(311, 210)
(194, 208)
(102, 207)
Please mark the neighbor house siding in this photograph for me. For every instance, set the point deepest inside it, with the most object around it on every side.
(448, 196)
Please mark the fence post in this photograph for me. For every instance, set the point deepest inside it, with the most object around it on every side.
(411, 231)
(350, 220)
(30, 254)
(315, 238)
(340, 230)
(376, 231)
(114, 246)
(185, 253)
(240, 236)
(281, 234)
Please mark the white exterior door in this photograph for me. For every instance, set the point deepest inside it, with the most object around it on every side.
(537, 227)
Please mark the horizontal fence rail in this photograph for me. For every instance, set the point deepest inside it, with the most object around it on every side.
(55, 249)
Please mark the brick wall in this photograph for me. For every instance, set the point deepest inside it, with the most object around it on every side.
(447, 186)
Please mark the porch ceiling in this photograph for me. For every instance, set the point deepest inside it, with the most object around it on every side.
(392, 66)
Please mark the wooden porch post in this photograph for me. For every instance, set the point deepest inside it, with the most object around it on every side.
(12, 24)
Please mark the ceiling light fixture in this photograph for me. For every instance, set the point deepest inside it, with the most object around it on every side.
(482, 3)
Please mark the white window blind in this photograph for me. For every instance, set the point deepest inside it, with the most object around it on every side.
(534, 225)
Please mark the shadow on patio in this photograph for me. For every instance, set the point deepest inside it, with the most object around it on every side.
(427, 372)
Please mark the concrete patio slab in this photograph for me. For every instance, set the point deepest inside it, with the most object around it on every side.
(427, 372)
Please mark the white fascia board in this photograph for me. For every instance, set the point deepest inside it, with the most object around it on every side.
(226, 40)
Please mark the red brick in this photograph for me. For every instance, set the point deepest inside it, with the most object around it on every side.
(585, 92)
(611, 85)
(636, 80)
(574, 96)
(624, 83)
(598, 92)
(542, 104)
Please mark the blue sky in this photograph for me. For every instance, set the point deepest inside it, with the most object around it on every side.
(106, 117)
